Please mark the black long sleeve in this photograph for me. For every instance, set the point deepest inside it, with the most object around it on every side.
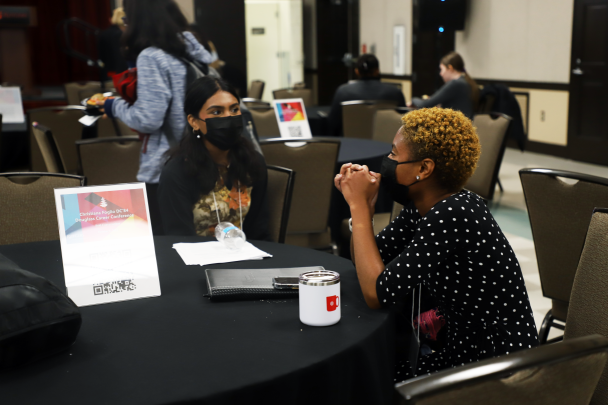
(178, 192)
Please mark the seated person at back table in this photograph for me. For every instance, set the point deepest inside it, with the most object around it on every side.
(444, 241)
(215, 171)
(460, 92)
(368, 87)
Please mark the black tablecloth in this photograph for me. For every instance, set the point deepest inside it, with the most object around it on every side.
(318, 124)
(183, 348)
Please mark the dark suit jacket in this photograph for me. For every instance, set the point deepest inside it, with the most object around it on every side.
(368, 89)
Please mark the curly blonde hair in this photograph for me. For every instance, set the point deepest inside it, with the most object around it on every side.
(448, 138)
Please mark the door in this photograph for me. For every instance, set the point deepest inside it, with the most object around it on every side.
(263, 45)
(588, 125)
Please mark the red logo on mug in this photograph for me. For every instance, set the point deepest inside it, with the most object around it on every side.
(332, 303)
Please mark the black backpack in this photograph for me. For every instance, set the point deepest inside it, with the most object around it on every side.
(36, 319)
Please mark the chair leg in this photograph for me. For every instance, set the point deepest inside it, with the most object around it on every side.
(500, 186)
(543, 334)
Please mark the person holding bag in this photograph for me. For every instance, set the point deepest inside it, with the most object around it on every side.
(445, 240)
(156, 38)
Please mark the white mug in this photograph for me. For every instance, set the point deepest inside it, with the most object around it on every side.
(320, 303)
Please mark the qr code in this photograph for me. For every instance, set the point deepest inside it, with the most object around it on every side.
(295, 132)
(114, 287)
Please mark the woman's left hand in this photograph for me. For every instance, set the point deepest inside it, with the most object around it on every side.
(360, 187)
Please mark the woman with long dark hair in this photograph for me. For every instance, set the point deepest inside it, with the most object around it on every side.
(215, 175)
(156, 38)
(460, 92)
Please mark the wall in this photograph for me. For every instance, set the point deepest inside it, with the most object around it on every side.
(519, 40)
(377, 19)
(187, 7)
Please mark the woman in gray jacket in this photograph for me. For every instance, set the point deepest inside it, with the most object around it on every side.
(157, 40)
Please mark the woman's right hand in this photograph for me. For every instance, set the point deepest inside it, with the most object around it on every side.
(354, 167)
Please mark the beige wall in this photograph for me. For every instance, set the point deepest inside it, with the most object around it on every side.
(187, 7)
(377, 19)
(519, 40)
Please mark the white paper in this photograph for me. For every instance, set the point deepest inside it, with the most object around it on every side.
(398, 50)
(106, 243)
(204, 253)
(89, 120)
(292, 119)
(11, 106)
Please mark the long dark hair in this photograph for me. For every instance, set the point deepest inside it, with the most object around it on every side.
(244, 161)
(457, 63)
(158, 23)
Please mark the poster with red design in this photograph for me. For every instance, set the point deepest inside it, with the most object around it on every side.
(292, 119)
(106, 243)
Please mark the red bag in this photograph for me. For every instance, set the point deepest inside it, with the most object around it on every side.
(125, 84)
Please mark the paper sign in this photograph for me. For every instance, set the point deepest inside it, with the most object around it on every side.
(11, 106)
(399, 50)
(292, 119)
(106, 243)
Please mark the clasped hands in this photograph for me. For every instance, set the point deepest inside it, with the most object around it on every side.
(358, 185)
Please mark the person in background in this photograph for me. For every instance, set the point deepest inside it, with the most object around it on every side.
(215, 175)
(200, 34)
(368, 87)
(460, 92)
(156, 38)
(109, 45)
(445, 243)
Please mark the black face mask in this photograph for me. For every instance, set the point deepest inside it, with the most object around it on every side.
(398, 192)
(224, 132)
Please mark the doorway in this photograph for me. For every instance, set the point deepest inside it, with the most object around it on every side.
(588, 115)
(275, 50)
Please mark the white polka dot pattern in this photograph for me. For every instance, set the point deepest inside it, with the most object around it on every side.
(458, 252)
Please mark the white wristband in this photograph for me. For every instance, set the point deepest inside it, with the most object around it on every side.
(350, 224)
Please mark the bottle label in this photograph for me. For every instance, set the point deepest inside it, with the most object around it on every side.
(229, 229)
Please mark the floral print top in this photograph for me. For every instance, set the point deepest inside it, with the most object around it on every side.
(206, 212)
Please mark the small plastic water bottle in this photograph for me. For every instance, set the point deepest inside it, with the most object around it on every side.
(231, 236)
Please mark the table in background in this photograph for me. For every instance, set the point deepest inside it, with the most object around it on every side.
(14, 144)
(318, 124)
(183, 348)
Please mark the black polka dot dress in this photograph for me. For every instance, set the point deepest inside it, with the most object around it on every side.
(458, 252)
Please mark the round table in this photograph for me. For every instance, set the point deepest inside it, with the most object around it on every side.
(184, 348)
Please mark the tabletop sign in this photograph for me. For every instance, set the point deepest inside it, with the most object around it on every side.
(292, 119)
(11, 106)
(106, 243)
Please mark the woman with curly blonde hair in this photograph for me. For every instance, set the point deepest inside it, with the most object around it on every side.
(444, 245)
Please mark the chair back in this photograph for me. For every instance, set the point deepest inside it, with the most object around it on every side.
(256, 90)
(28, 211)
(109, 160)
(560, 213)
(280, 190)
(254, 102)
(358, 117)
(304, 94)
(564, 373)
(386, 124)
(48, 148)
(63, 121)
(265, 122)
(314, 164)
(492, 132)
(588, 310)
(76, 92)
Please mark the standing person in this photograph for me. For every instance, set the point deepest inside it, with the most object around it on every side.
(444, 240)
(156, 38)
(368, 87)
(109, 45)
(460, 92)
(215, 175)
